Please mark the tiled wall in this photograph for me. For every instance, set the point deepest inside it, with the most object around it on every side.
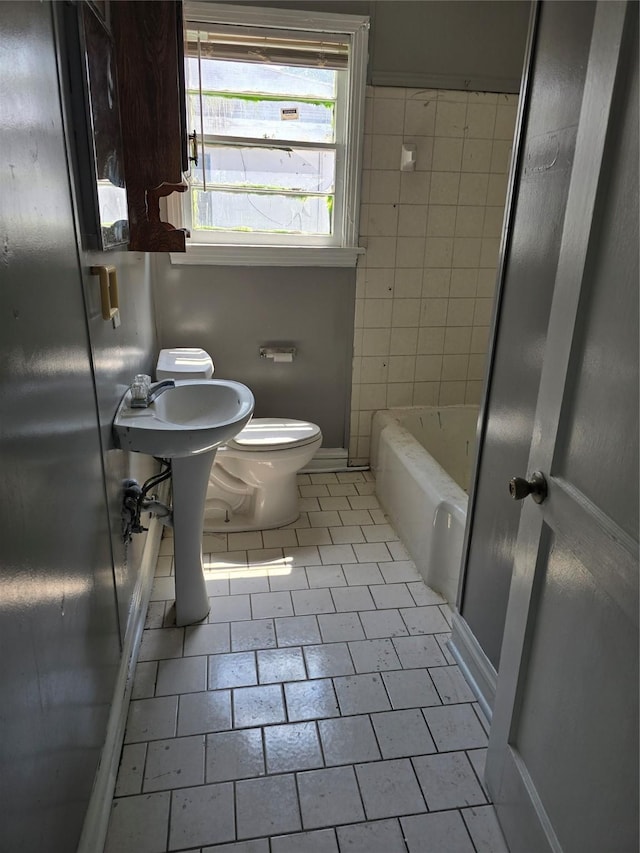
(425, 286)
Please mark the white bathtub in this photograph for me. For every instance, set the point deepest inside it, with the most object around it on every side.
(422, 459)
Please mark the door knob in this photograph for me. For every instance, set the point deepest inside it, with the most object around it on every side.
(536, 486)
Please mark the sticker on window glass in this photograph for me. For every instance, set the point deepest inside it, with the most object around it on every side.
(289, 113)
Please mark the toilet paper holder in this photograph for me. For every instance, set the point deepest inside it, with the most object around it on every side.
(280, 355)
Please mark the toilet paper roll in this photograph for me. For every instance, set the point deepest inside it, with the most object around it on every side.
(282, 357)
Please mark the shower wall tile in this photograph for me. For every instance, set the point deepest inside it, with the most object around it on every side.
(425, 286)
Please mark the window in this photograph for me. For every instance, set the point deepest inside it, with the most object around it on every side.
(276, 101)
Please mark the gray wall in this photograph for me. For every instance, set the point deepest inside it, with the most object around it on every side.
(437, 44)
(59, 622)
(231, 311)
(525, 301)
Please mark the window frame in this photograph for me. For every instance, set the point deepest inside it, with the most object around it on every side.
(344, 249)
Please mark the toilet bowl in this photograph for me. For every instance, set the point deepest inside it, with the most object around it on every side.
(252, 484)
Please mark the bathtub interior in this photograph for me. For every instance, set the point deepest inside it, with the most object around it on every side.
(448, 434)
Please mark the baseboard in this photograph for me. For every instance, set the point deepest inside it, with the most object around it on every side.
(475, 665)
(96, 822)
(327, 459)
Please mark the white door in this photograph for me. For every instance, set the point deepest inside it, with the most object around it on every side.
(562, 764)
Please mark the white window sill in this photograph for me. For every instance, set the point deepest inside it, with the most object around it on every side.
(208, 254)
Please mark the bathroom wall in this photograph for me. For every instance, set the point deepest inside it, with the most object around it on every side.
(425, 287)
(63, 565)
(231, 311)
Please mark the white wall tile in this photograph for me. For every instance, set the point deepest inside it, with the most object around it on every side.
(425, 287)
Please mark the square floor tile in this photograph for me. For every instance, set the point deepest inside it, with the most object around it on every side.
(267, 806)
(380, 532)
(234, 755)
(400, 570)
(455, 727)
(372, 552)
(310, 700)
(325, 576)
(391, 595)
(257, 845)
(292, 747)
(389, 788)
(243, 541)
(352, 598)
(215, 585)
(361, 694)
(303, 556)
(443, 642)
(256, 634)
(316, 841)
(297, 630)
(380, 836)
(139, 823)
(155, 615)
(382, 623)
(201, 816)
(433, 833)
(312, 601)
(418, 651)
(329, 797)
(184, 675)
(373, 655)
(258, 706)
(451, 685)
(175, 763)
(410, 688)
(422, 595)
(249, 581)
(484, 829)
(230, 608)
(287, 579)
(347, 740)
(402, 734)
(424, 620)
(234, 670)
(279, 538)
(144, 681)
(313, 535)
(151, 719)
(207, 639)
(364, 502)
(199, 713)
(328, 659)
(361, 574)
(478, 758)
(280, 665)
(131, 769)
(332, 554)
(269, 604)
(339, 627)
(161, 643)
(448, 781)
(346, 535)
(326, 519)
(359, 517)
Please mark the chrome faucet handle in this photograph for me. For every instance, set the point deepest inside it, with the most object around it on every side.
(140, 387)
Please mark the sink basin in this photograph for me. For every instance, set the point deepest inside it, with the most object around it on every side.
(195, 416)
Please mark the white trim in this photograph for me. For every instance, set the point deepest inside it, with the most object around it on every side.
(474, 664)
(348, 185)
(328, 459)
(96, 821)
(207, 254)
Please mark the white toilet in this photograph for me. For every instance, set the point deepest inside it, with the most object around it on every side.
(252, 485)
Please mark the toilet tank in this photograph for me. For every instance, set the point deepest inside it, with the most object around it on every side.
(184, 363)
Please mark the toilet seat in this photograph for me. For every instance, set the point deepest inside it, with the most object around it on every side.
(273, 434)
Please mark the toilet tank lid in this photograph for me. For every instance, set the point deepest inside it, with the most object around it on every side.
(271, 433)
(186, 362)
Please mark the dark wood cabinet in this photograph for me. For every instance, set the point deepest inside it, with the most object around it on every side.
(150, 58)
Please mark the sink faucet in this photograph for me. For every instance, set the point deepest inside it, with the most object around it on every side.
(143, 397)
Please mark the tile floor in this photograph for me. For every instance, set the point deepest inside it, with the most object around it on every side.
(318, 710)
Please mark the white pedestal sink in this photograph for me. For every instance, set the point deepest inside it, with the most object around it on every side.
(186, 423)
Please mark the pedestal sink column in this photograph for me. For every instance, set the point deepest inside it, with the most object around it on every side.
(190, 476)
